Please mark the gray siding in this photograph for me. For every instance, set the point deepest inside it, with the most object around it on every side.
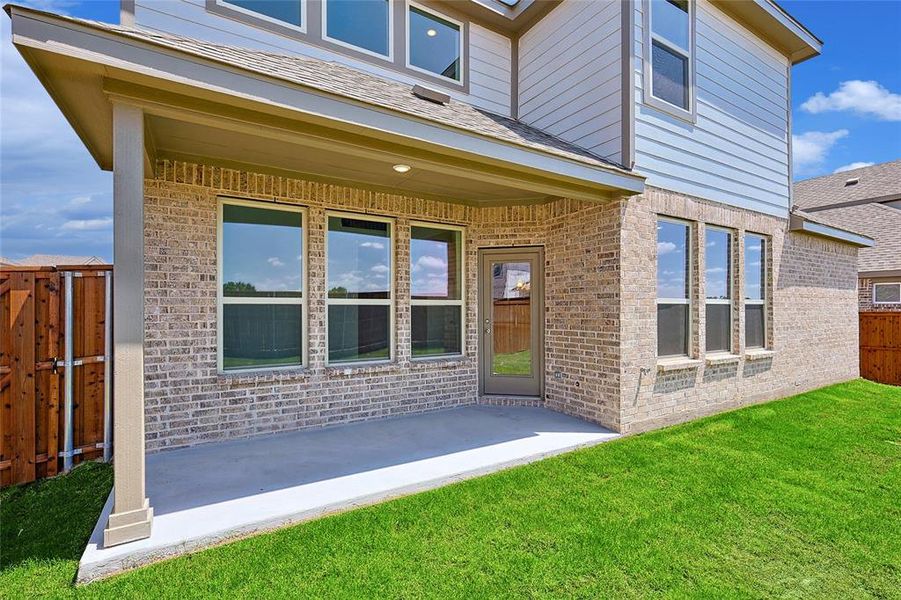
(570, 75)
(737, 152)
(489, 52)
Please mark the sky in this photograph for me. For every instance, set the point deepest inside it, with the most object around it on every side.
(55, 200)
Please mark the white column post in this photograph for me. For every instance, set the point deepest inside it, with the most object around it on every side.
(132, 515)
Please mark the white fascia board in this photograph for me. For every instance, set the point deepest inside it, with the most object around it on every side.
(799, 223)
(75, 40)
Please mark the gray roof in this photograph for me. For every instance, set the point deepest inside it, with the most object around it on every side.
(877, 181)
(878, 221)
(52, 260)
(345, 81)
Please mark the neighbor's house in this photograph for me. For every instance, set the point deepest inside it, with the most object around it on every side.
(867, 200)
(355, 210)
(51, 260)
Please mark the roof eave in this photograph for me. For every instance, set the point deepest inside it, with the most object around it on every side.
(774, 24)
(803, 224)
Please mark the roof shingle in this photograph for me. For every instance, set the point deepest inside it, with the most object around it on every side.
(876, 181)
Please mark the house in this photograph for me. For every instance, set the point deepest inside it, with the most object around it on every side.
(867, 200)
(357, 210)
(52, 260)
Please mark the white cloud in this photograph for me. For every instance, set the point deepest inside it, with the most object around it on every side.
(87, 224)
(852, 166)
(431, 262)
(373, 245)
(275, 262)
(810, 148)
(381, 269)
(862, 97)
(665, 248)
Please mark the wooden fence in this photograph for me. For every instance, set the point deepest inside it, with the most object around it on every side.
(512, 325)
(34, 389)
(880, 346)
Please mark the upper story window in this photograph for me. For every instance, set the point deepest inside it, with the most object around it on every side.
(718, 286)
(288, 12)
(755, 290)
(434, 43)
(668, 58)
(673, 288)
(361, 24)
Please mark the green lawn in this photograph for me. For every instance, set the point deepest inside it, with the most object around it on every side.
(796, 498)
(513, 363)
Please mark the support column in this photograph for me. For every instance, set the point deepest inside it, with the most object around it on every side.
(132, 515)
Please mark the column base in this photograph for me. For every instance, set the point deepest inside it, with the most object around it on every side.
(128, 526)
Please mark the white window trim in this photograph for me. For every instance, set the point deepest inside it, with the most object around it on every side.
(689, 114)
(689, 292)
(886, 283)
(302, 28)
(387, 57)
(730, 282)
(460, 46)
(221, 299)
(461, 260)
(765, 282)
(390, 302)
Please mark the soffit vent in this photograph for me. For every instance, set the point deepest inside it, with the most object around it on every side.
(430, 95)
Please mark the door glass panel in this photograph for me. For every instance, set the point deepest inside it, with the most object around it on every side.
(511, 316)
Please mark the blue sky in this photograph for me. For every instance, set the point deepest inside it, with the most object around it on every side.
(55, 200)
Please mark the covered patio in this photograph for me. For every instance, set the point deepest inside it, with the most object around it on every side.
(217, 492)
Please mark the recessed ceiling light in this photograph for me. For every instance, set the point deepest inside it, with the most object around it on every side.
(401, 168)
(431, 32)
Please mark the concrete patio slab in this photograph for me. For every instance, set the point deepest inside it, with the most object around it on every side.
(209, 494)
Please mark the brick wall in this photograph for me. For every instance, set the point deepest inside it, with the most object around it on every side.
(865, 295)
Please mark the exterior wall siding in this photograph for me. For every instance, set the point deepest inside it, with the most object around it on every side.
(737, 151)
(489, 52)
(570, 75)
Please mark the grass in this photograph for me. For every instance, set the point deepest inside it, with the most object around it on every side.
(513, 363)
(795, 498)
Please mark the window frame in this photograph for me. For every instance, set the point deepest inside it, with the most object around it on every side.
(437, 302)
(304, 15)
(886, 283)
(686, 114)
(730, 282)
(460, 46)
(391, 302)
(385, 57)
(222, 299)
(690, 290)
(764, 288)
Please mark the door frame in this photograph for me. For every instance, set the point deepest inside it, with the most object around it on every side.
(538, 300)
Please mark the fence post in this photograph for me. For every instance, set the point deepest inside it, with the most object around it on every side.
(69, 376)
(108, 367)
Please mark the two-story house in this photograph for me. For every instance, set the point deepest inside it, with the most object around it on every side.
(331, 211)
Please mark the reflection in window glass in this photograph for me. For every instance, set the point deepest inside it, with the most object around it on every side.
(670, 51)
(669, 19)
(358, 333)
(511, 319)
(437, 330)
(718, 286)
(434, 44)
(360, 23)
(261, 286)
(887, 293)
(436, 279)
(287, 11)
(755, 291)
(672, 288)
(670, 76)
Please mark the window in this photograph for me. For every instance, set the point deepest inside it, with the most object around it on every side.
(755, 291)
(718, 286)
(261, 286)
(669, 64)
(359, 282)
(434, 43)
(887, 293)
(361, 24)
(673, 288)
(281, 11)
(436, 290)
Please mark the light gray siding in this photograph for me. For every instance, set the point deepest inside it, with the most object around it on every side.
(737, 151)
(489, 52)
(570, 75)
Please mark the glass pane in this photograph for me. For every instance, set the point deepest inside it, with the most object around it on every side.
(361, 23)
(669, 19)
(717, 266)
(436, 330)
(261, 335)
(669, 76)
(434, 44)
(359, 258)
(890, 292)
(672, 260)
(672, 330)
(511, 288)
(262, 252)
(719, 327)
(754, 332)
(281, 10)
(435, 263)
(358, 333)
(755, 262)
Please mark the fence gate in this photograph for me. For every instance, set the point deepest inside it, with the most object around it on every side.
(54, 365)
(880, 346)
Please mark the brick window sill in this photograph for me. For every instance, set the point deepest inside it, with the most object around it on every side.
(721, 358)
(264, 375)
(759, 354)
(677, 363)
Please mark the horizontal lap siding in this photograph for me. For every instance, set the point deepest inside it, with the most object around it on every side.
(570, 73)
(737, 151)
(490, 53)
